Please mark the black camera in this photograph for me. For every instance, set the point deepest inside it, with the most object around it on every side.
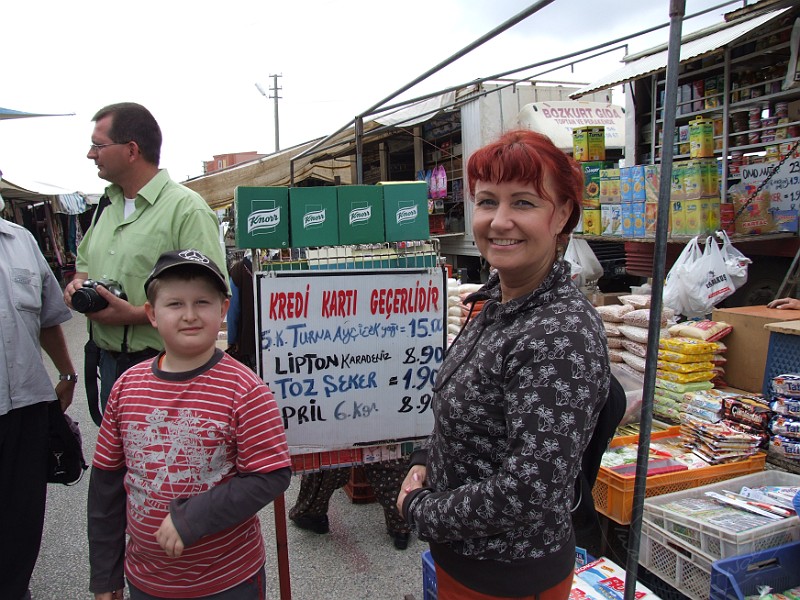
(86, 299)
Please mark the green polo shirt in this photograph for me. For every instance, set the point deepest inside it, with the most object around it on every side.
(168, 216)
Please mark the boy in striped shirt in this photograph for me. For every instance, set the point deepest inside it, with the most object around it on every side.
(191, 447)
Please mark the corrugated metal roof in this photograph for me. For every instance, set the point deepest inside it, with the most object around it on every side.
(696, 47)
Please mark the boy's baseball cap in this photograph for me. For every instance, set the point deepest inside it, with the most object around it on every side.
(178, 258)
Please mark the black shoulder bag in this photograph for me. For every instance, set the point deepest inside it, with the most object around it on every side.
(65, 462)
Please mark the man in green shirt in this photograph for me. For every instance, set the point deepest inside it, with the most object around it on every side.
(145, 215)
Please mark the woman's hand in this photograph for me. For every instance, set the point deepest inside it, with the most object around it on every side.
(413, 481)
(785, 303)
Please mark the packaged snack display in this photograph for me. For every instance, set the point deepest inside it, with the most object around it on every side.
(786, 385)
(684, 377)
(747, 410)
(686, 345)
(613, 313)
(685, 367)
(708, 331)
(636, 300)
(679, 357)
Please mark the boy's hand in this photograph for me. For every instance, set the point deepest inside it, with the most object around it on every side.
(169, 539)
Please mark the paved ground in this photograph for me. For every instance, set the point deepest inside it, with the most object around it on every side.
(356, 560)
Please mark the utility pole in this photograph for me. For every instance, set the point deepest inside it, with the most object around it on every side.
(274, 89)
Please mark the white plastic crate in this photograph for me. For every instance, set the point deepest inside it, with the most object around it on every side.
(715, 541)
(686, 569)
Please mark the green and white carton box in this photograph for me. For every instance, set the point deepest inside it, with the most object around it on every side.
(262, 217)
(314, 216)
(405, 206)
(360, 214)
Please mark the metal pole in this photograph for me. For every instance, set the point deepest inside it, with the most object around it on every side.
(275, 89)
(676, 12)
(359, 129)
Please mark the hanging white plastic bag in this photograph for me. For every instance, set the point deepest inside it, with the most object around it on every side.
(735, 262)
(707, 281)
(586, 269)
(674, 287)
(571, 256)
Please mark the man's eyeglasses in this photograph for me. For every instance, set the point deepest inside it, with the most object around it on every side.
(98, 147)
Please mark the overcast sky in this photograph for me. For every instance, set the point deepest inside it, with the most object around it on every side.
(195, 63)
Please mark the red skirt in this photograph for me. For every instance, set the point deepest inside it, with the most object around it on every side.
(449, 589)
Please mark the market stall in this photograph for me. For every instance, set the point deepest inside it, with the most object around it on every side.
(56, 217)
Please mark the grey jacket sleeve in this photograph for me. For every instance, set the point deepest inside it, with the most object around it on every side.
(106, 523)
(227, 504)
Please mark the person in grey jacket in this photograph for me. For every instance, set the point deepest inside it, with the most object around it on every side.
(518, 394)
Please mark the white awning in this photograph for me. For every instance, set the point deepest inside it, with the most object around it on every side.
(419, 112)
(693, 46)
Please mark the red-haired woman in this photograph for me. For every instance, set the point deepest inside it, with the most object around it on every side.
(518, 394)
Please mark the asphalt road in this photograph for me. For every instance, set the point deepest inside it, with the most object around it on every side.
(356, 560)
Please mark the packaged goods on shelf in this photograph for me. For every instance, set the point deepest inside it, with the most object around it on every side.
(589, 143)
(591, 182)
(697, 524)
(607, 579)
(611, 220)
(613, 492)
(705, 330)
(609, 186)
(591, 221)
(701, 138)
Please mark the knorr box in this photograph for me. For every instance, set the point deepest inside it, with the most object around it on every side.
(360, 214)
(609, 186)
(591, 221)
(589, 143)
(314, 216)
(405, 209)
(262, 217)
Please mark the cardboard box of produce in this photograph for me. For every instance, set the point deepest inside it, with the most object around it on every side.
(748, 342)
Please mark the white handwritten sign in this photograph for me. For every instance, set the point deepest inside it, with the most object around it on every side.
(784, 187)
(351, 357)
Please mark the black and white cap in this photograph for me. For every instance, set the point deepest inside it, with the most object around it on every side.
(179, 258)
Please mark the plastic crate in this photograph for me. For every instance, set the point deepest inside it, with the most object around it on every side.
(714, 541)
(428, 577)
(739, 576)
(685, 569)
(613, 493)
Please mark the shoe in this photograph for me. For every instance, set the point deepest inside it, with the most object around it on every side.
(400, 539)
(311, 523)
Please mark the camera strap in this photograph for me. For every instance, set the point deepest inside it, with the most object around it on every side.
(91, 365)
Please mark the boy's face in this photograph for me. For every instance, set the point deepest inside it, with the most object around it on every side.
(188, 315)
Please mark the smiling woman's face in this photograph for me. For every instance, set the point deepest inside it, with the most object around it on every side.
(516, 231)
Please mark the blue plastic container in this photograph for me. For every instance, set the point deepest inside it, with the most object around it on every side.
(428, 577)
(739, 576)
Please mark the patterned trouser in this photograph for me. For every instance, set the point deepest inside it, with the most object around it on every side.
(385, 477)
